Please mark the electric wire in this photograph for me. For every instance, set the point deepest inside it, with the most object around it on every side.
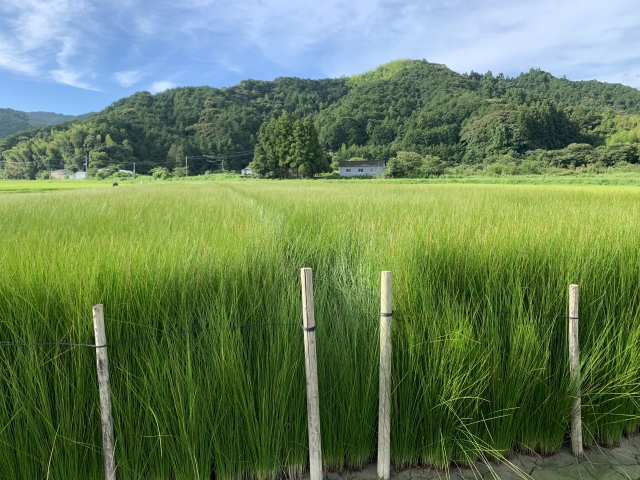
(144, 337)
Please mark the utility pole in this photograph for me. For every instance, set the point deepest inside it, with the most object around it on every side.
(222, 164)
(86, 166)
(186, 168)
(134, 170)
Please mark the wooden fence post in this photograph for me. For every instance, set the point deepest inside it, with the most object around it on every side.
(105, 393)
(574, 372)
(313, 404)
(384, 405)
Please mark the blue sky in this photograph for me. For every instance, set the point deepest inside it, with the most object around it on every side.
(75, 56)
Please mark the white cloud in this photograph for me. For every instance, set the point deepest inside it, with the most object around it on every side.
(227, 65)
(578, 37)
(70, 40)
(575, 37)
(12, 62)
(128, 78)
(35, 32)
(70, 78)
(161, 86)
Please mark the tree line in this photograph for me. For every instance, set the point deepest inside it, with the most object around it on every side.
(403, 106)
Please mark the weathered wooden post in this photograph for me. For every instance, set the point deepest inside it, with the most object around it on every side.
(313, 403)
(574, 372)
(384, 405)
(105, 393)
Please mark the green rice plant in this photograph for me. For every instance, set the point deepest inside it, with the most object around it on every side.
(480, 355)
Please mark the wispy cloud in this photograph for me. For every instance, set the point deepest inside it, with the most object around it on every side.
(35, 32)
(161, 86)
(89, 43)
(579, 38)
(229, 66)
(576, 37)
(14, 63)
(128, 78)
(71, 78)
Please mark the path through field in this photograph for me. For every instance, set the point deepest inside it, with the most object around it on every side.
(620, 463)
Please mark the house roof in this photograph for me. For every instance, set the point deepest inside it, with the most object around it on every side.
(363, 163)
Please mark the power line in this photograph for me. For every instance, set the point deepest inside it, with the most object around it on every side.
(40, 162)
(60, 163)
(242, 153)
(218, 159)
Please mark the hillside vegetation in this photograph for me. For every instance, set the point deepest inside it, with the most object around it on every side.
(14, 121)
(51, 118)
(407, 105)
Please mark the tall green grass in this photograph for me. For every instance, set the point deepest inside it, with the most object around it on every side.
(24, 186)
(481, 277)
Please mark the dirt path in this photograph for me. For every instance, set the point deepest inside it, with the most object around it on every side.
(620, 463)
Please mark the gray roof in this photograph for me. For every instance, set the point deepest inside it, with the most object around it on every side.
(363, 163)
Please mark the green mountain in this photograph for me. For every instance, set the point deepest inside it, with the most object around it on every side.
(13, 121)
(405, 105)
(50, 118)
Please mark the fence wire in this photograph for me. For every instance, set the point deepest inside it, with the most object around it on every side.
(144, 337)
(187, 332)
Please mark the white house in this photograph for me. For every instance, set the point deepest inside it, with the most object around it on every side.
(362, 168)
(246, 171)
(79, 176)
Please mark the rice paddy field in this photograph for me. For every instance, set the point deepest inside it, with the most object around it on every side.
(24, 186)
(480, 356)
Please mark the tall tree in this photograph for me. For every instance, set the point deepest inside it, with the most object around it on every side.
(307, 154)
(287, 144)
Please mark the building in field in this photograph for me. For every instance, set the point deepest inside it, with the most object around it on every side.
(79, 176)
(362, 168)
(246, 171)
(60, 174)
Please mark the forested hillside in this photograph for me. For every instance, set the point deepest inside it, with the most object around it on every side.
(51, 118)
(13, 121)
(409, 105)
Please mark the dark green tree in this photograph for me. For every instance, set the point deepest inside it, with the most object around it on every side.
(432, 166)
(404, 164)
(286, 146)
(307, 154)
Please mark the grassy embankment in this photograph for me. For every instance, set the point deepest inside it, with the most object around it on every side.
(481, 277)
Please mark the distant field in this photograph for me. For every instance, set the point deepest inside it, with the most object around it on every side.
(47, 185)
(480, 285)
(615, 179)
